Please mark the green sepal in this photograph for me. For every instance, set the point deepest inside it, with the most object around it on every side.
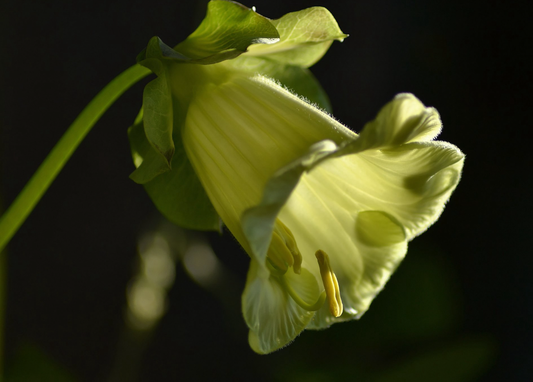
(148, 161)
(157, 49)
(227, 27)
(178, 193)
(157, 108)
(305, 36)
(226, 32)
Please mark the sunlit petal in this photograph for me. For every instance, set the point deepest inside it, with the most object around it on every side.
(273, 317)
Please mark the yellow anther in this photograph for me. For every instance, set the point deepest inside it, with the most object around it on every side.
(330, 282)
(297, 267)
(278, 253)
(280, 248)
(288, 238)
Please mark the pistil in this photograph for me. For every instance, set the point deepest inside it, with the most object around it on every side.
(331, 285)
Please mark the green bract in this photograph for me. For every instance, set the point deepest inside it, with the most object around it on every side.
(324, 214)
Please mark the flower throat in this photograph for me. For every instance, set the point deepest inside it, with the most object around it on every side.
(284, 253)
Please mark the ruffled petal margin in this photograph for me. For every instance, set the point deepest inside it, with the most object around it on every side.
(360, 203)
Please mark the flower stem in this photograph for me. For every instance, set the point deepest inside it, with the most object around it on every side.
(30, 195)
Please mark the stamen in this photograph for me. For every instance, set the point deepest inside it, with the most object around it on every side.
(287, 237)
(330, 282)
(282, 254)
(278, 252)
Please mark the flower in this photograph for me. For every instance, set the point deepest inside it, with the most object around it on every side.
(325, 214)
(290, 183)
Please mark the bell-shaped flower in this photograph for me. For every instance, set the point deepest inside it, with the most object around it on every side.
(325, 214)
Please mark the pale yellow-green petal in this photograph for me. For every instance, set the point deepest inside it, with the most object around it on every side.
(411, 182)
(364, 245)
(404, 119)
(401, 192)
(358, 199)
(258, 221)
(272, 315)
(238, 133)
(381, 244)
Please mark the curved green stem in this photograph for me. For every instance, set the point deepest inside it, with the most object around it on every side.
(60, 154)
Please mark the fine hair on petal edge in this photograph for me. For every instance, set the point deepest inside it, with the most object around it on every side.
(263, 78)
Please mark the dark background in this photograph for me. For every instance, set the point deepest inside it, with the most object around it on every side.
(468, 279)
